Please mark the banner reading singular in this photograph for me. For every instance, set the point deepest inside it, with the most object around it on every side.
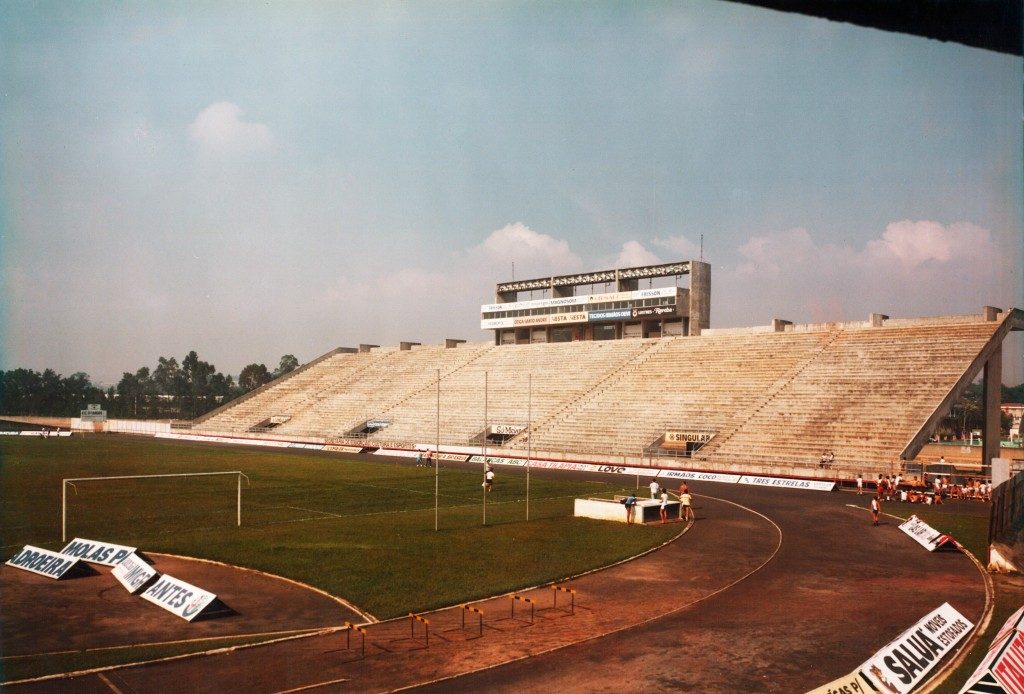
(178, 597)
(43, 562)
(904, 663)
(925, 535)
(133, 573)
(97, 552)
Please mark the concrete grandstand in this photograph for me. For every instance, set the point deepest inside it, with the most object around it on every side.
(764, 399)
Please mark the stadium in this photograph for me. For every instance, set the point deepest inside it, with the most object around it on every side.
(594, 393)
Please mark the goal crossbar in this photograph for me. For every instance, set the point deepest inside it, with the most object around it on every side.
(71, 480)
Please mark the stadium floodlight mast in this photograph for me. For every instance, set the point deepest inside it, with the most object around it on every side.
(71, 481)
(437, 447)
(529, 437)
(485, 448)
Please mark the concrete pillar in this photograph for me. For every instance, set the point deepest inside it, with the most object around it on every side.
(779, 325)
(367, 348)
(991, 399)
(991, 313)
(700, 296)
(451, 343)
(876, 320)
(406, 346)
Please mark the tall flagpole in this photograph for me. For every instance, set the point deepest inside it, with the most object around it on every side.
(437, 446)
(529, 440)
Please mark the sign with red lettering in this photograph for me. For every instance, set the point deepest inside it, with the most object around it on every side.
(178, 597)
(43, 562)
(1002, 668)
(925, 535)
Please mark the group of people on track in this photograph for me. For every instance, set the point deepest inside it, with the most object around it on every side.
(659, 492)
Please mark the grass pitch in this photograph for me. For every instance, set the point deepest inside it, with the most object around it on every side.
(362, 529)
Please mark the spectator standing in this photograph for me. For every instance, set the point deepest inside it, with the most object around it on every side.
(685, 507)
(654, 488)
(630, 503)
(663, 509)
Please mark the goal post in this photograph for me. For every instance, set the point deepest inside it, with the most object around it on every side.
(71, 481)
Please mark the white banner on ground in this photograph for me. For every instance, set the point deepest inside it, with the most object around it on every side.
(43, 562)
(394, 453)
(1003, 665)
(925, 535)
(904, 662)
(854, 683)
(788, 483)
(133, 573)
(178, 597)
(95, 552)
(310, 446)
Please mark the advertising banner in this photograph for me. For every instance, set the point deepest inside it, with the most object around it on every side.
(1002, 668)
(43, 562)
(905, 662)
(688, 436)
(614, 314)
(178, 597)
(701, 476)
(648, 311)
(94, 552)
(507, 429)
(788, 483)
(343, 449)
(854, 683)
(133, 573)
(925, 535)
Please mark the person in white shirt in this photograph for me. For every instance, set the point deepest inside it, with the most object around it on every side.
(663, 510)
(860, 483)
(654, 488)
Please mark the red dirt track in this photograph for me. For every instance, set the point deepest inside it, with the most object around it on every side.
(738, 603)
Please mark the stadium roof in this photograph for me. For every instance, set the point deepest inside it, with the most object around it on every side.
(994, 25)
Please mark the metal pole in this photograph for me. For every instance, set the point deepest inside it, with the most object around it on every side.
(437, 446)
(239, 500)
(485, 447)
(529, 439)
(64, 511)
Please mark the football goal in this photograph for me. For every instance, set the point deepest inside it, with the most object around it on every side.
(73, 483)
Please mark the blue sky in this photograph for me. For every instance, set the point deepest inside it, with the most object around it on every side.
(253, 181)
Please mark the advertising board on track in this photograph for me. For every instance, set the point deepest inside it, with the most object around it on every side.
(43, 562)
(105, 553)
(178, 597)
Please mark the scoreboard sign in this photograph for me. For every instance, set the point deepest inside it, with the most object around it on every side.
(97, 552)
(43, 562)
(133, 573)
(178, 597)
(93, 413)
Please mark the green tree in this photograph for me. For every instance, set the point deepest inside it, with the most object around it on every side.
(253, 376)
(287, 364)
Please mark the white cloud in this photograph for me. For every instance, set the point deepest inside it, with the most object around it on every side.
(912, 244)
(634, 254)
(534, 253)
(219, 128)
(680, 247)
(912, 269)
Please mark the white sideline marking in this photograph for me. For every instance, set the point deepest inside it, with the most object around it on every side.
(312, 686)
(107, 682)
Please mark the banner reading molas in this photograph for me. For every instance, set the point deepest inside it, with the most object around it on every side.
(95, 552)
